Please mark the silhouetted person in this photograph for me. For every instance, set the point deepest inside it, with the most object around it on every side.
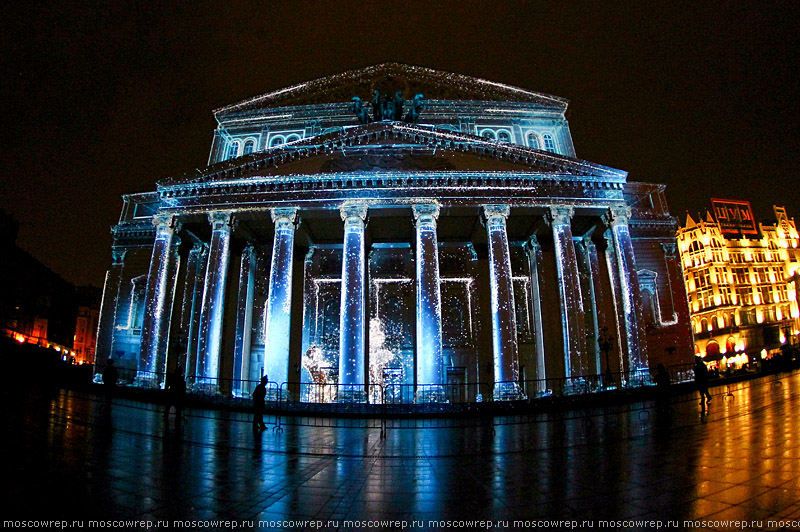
(662, 381)
(175, 387)
(259, 394)
(701, 378)
(110, 377)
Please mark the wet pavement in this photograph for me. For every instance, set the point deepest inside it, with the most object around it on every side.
(69, 456)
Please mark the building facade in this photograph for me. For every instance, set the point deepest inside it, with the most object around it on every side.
(440, 244)
(741, 280)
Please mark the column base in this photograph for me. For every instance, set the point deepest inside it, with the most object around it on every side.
(430, 394)
(351, 394)
(507, 391)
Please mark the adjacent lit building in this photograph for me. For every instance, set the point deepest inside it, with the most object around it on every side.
(741, 280)
(401, 233)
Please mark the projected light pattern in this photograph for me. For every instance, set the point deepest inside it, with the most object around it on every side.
(211, 312)
(483, 266)
(351, 325)
(569, 292)
(629, 285)
(504, 330)
(429, 305)
(156, 322)
(279, 301)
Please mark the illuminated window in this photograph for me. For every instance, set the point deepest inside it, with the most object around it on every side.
(533, 141)
(249, 146)
(233, 149)
(503, 136)
(549, 143)
(277, 140)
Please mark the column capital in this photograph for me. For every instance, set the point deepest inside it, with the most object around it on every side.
(532, 244)
(617, 215)
(353, 210)
(670, 249)
(559, 215)
(284, 214)
(118, 256)
(166, 223)
(425, 210)
(222, 220)
(493, 211)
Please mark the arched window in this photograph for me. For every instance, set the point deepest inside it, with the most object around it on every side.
(233, 149)
(714, 323)
(249, 146)
(549, 143)
(488, 134)
(730, 345)
(292, 138)
(533, 141)
(277, 140)
(712, 350)
(503, 136)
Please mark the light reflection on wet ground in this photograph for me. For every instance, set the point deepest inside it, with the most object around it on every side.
(68, 456)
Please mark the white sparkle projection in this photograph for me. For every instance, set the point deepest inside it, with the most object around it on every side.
(447, 316)
(210, 339)
(279, 301)
(352, 387)
(244, 322)
(198, 257)
(155, 329)
(534, 253)
(429, 306)
(504, 327)
(379, 358)
(569, 291)
(617, 218)
(592, 300)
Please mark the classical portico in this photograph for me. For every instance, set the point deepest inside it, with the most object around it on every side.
(390, 262)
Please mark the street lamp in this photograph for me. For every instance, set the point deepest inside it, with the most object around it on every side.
(606, 342)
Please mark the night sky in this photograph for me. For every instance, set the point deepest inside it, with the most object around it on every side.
(103, 100)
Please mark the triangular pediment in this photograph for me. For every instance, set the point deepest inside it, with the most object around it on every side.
(399, 147)
(387, 78)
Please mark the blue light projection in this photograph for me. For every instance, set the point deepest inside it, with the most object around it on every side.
(429, 306)
(629, 284)
(504, 328)
(569, 292)
(351, 316)
(211, 313)
(279, 301)
(153, 355)
(244, 321)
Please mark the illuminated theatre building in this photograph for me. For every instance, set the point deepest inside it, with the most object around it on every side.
(741, 279)
(440, 242)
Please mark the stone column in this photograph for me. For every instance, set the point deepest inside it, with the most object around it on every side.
(108, 310)
(352, 316)
(430, 371)
(534, 252)
(569, 292)
(192, 304)
(617, 219)
(244, 321)
(504, 326)
(211, 313)
(155, 327)
(588, 269)
(279, 300)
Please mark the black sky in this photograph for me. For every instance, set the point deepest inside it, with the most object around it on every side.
(105, 99)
